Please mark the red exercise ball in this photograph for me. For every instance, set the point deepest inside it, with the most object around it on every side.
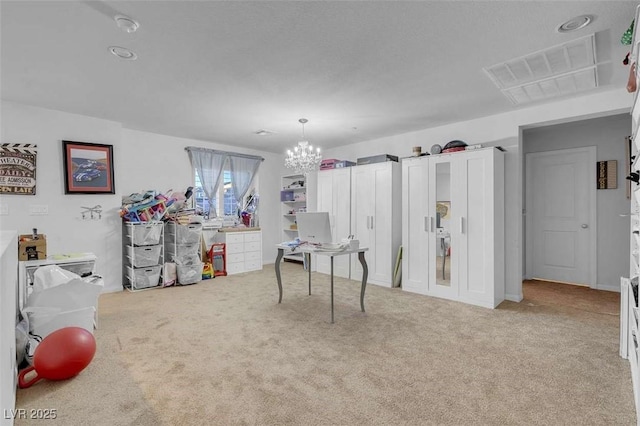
(61, 355)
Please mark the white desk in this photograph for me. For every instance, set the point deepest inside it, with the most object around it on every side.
(307, 251)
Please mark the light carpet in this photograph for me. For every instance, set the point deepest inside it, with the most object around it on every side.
(224, 352)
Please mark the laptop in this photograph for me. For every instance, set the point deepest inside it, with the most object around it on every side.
(314, 228)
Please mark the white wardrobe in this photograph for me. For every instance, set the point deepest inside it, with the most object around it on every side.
(334, 196)
(363, 201)
(453, 226)
(376, 218)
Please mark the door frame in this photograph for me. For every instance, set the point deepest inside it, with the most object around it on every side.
(591, 152)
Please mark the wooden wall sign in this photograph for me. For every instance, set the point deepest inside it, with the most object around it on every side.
(607, 174)
(18, 168)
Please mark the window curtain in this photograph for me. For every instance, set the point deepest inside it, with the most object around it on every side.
(209, 165)
(243, 170)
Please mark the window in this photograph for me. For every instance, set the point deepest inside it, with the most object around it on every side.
(225, 192)
(231, 175)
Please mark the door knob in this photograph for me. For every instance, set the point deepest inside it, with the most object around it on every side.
(584, 226)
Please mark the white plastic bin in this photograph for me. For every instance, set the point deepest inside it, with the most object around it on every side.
(144, 277)
(183, 234)
(144, 234)
(143, 256)
(190, 274)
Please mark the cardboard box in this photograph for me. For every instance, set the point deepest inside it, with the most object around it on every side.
(377, 159)
(344, 163)
(32, 249)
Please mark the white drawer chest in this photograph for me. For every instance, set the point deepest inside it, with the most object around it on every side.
(244, 249)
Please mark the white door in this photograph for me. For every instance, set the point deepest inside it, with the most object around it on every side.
(334, 196)
(561, 215)
(443, 234)
(371, 220)
(415, 225)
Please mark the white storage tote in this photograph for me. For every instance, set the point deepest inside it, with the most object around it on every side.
(144, 234)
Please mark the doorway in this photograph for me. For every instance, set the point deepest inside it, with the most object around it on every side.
(611, 232)
(561, 216)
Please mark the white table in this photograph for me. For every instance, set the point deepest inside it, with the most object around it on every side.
(307, 251)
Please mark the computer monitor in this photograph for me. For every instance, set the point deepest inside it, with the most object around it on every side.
(314, 227)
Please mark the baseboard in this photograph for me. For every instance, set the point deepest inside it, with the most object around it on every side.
(604, 287)
(513, 297)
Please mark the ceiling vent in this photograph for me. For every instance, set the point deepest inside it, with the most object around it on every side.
(559, 70)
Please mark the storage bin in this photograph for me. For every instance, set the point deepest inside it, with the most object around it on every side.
(144, 277)
(144, 234)
(144, 256)
(190, 274)
(183, 234)
(286, 195)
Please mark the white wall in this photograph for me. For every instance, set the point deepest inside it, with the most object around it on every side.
(607, 134)
(141, 161)
(498, 130)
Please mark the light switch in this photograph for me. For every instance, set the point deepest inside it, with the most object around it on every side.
(38, 209)
(4, 209)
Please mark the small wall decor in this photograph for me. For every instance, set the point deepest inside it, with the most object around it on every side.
(444, 209)
(607, 174)
(88, 168)
(18, 168)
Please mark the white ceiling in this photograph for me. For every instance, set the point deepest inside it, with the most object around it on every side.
(220, 70)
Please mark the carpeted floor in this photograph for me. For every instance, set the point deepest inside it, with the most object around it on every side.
(225, 352)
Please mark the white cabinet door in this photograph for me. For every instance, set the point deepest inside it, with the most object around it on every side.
(442, 239)
(415, 225)
(480, 222)
(375, 218)
(334, 197)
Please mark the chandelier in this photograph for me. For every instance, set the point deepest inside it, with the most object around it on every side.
(303, 158)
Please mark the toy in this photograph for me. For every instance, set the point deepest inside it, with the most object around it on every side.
(61, 355)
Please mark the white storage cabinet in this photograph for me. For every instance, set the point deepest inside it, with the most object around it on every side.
(334, 197)
(376, 218)
(453, 226)
(244, 250)
(628, 299)
(142, 255)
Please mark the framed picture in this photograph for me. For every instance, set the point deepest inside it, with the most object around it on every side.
(88, 168)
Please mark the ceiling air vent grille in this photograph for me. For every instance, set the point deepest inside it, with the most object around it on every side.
(556, 71)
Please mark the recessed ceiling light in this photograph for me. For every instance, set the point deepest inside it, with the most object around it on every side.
(126, 24)
(574, 24)
(123, 53)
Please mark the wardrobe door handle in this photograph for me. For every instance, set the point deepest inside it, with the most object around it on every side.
(426, 224)
(461, 225)
(431, 222)
(371, 222)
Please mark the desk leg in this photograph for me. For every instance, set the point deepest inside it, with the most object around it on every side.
(331, 289)
(308, 256)
(278, 259)
(365, 275)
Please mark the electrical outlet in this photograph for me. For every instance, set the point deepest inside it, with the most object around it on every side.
(38, 209)
(4, 209)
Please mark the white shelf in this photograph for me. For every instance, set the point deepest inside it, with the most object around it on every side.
(289, 209)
